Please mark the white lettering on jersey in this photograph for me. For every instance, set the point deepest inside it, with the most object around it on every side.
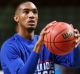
(45, 68)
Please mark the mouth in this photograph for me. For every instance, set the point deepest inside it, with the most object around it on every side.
(31, 23)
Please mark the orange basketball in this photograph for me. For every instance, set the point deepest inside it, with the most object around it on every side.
(60, 40)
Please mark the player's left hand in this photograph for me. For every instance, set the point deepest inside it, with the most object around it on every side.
(77, 35)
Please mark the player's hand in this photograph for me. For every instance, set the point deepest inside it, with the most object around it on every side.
(40, 41)
(44, 31)
(77, 35)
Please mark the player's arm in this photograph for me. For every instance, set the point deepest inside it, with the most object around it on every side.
(12, 59)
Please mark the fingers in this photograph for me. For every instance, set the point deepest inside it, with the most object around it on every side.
(71, 25)
(76, 31)
(77, 40)
(49, 25)
(77, 35)
(44, 30)
(77, 43)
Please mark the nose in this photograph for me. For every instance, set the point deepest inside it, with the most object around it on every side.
(31, 15)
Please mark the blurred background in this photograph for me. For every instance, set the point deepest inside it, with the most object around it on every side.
(49, 10)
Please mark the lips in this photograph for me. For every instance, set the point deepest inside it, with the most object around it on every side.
(31, 22)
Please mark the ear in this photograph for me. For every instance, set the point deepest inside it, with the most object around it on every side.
(16, 18)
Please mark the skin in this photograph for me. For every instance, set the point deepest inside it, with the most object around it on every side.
(26, 16)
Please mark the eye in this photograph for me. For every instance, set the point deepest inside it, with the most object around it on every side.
(34, 11)
(26, 11)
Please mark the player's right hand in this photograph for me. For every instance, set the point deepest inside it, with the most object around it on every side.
(40, 41)
(44, 31)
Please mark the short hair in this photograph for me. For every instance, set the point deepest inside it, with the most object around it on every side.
(18, 6)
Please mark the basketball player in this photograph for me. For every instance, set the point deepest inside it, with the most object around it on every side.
(25, 52)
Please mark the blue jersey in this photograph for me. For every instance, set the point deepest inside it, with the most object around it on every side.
(18, 57)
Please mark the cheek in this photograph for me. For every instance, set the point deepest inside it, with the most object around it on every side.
(23, 18)
(37, 17)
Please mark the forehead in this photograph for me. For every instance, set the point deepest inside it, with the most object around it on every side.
(27, 5)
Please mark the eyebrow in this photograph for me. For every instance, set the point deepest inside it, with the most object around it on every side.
(29, 9)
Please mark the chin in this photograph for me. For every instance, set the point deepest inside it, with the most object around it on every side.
(31, 29)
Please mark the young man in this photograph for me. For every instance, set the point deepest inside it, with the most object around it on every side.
(25, 52)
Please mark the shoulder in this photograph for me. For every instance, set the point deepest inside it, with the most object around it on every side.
(9, 49)
(10, 41)
(9, 44)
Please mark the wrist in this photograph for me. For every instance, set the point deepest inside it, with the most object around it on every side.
(37, 47)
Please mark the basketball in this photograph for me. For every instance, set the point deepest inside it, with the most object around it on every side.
(60, 39)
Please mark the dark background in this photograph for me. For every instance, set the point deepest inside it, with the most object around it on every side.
(42, 3)
(49, 10)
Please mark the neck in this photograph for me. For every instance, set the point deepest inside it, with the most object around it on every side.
(26, 34)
